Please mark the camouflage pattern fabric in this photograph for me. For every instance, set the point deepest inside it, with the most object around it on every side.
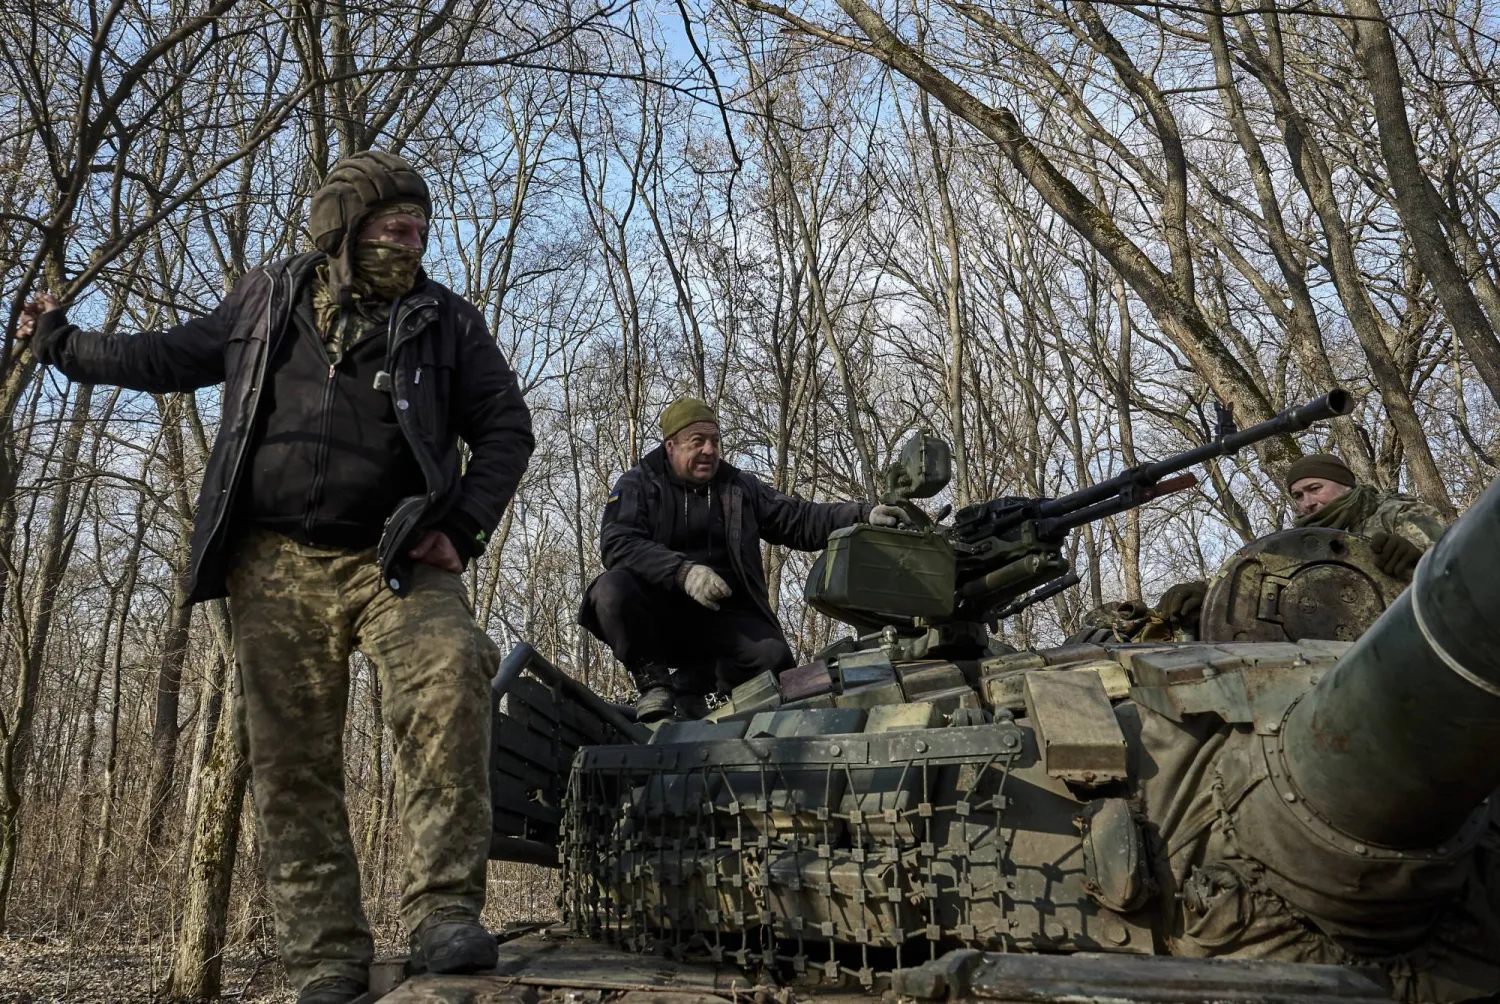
(382, 272)
(1366, 511)
(298, 612)
(1405, 516)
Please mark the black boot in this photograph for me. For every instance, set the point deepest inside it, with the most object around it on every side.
(691, 687)
(654, 681)
(330, 990)
(451, 940)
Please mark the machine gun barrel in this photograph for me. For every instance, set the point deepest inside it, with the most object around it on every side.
(1130, 488)
(1036, 596)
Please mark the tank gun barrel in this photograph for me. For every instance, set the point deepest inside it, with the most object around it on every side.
(1400, 741)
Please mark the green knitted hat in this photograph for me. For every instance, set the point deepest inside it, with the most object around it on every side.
(683, 412)
(1320, 465)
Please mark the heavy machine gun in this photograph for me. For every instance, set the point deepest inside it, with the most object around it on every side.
(959, 576)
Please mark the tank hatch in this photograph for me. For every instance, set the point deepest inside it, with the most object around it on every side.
(1309, 582)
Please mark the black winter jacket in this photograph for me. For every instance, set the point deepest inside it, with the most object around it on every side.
(636, 527)
(467, 390)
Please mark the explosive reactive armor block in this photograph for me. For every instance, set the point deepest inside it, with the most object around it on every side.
(836, 852)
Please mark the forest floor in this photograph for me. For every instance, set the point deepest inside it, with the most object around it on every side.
(124, 957)
(50, 971)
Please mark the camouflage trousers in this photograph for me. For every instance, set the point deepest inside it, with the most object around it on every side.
(298, 612)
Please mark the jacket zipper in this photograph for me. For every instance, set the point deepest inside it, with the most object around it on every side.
(404, 418)
(320, 462)
(325, 425)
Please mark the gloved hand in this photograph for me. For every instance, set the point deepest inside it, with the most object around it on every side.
(1395, 555)
(887, 515)
(1182, 603)
(705, 586)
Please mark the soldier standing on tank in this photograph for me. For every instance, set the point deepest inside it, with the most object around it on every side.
(334, 514)
(684, 587)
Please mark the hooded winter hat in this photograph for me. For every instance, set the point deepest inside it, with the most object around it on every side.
(356, 187)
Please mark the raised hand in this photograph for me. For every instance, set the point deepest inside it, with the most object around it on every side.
(36, 307)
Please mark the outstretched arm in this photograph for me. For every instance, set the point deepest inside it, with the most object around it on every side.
(181, 358)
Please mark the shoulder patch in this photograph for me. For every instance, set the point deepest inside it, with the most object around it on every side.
(613, 498)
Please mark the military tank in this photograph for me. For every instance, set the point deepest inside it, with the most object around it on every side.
(924, 813)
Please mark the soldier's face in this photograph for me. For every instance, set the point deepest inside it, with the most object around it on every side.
(1311, 494)
(396, 228)
(694, 453)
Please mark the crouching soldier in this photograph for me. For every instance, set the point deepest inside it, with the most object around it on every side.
(684, 587)
(334, 514)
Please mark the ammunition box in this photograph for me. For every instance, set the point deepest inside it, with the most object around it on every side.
(884, 572)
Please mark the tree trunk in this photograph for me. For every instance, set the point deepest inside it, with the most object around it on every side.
(102, 847)
(166, 731)
(953, 311)
(216, 836)
(1422, 211)
(1301, 320)
(1130, 551)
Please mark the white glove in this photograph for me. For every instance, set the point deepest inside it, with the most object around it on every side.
(887, 515)
(705, 586)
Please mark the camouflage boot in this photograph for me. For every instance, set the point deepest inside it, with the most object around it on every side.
(655, 684)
